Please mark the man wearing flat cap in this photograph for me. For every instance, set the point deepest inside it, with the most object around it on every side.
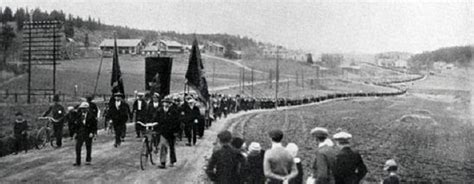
(349, 167)
(119, 113)
(85, 129)
(167, 119)
(191, 116)
(324, 161)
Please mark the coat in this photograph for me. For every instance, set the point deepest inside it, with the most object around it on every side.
(90, 126)
(323, 165)
(20, 128)
(167, 122)
(189, 114)
(349, 167)
(225, 165)
(255, 168)
(57, 112)
(120, 115)
(140, 112)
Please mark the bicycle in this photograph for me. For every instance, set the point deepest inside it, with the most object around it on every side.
(147, 144)
(46, 134)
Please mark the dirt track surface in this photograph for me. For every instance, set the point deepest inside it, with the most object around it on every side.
(109, 164)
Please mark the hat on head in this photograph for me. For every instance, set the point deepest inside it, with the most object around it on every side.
(140, 94)
(255, 146)
(167, 100)
(18, 113)
(320, 132)
(84, 105)
(118, 94)
(292, 148)
(70, 108)
(156, 95)
(342, 137)
(389, 163)
(191, 100)
(56, 98)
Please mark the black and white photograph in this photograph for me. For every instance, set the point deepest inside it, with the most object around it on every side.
(236, 91)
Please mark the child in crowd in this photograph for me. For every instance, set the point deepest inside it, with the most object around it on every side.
(292, 148)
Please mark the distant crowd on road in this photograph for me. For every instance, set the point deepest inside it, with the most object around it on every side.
(233, 162)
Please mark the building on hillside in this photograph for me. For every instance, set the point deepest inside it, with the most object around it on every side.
(125, 46)
(439, 65)
(385, 62)
(171, 47)
(151, 49)
(215, 48)
(236, 54)
(401, 63)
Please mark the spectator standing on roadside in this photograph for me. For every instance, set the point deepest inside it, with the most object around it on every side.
(292, 148)
(20, 126)
(255, 164)
(278, 165)
(391, 168)
(57, 111)
(349, 167)
(325, 155)
(225, 164)
(70, 119)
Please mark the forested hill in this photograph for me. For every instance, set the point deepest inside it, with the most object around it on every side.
(75, 24)
(459, 55)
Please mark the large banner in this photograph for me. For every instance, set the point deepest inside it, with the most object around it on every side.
(158, 74)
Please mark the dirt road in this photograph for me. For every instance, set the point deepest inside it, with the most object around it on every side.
(109, 164)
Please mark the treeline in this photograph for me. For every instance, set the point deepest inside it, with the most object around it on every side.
(461, 55)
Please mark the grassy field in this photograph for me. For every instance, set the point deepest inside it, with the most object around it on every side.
(429, 131)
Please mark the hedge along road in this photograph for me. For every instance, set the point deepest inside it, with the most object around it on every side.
(121, 165)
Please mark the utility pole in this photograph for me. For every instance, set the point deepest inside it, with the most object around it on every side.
(213, 73)
(243, 80)
(302, 79)
(252, 82)
(277, 77)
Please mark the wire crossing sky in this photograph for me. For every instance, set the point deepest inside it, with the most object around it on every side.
(316, 26)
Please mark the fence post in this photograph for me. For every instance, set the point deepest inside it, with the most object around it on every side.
(16, 97)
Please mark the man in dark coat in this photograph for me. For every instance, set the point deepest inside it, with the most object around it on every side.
(325, 157)
(119, 113)
(139, 110)
(20, 127)
(152, 107)
(85, 130)
(349, 167)
(225, 164)
(191, 116)
(92, 106)
(58, 113)
(167, 119)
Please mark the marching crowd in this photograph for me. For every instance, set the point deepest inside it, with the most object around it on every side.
(232, 161)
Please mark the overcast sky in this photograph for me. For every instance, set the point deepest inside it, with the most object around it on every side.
(317, 26)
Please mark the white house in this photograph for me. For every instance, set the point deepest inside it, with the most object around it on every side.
(125, 46)
(401, 63)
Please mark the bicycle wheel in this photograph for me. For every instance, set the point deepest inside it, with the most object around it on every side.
(144, 154)
(41, 138)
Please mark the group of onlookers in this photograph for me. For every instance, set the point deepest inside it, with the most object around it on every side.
(333, 163)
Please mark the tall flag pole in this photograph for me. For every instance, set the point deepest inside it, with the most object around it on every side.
(195, 73)
(116, 81)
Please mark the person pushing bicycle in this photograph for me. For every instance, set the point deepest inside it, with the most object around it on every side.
(58, 113)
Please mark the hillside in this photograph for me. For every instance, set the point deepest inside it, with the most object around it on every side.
(459, 55)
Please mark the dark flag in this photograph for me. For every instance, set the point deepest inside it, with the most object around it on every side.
(195, 74)
(116, 81)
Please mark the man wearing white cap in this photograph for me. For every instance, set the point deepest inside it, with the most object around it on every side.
(391, 167)
(323, 164)
(349, 167)
(85, 129)
(255, 164)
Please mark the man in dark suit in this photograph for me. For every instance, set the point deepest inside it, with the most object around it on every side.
(139, 110)
(349, 167)
(85, 129)
(92, 106)
(152, 107)
(167, 119)
(119, 113)
(191, 116)
(325, 157)
(57, 111)
(225, 164)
